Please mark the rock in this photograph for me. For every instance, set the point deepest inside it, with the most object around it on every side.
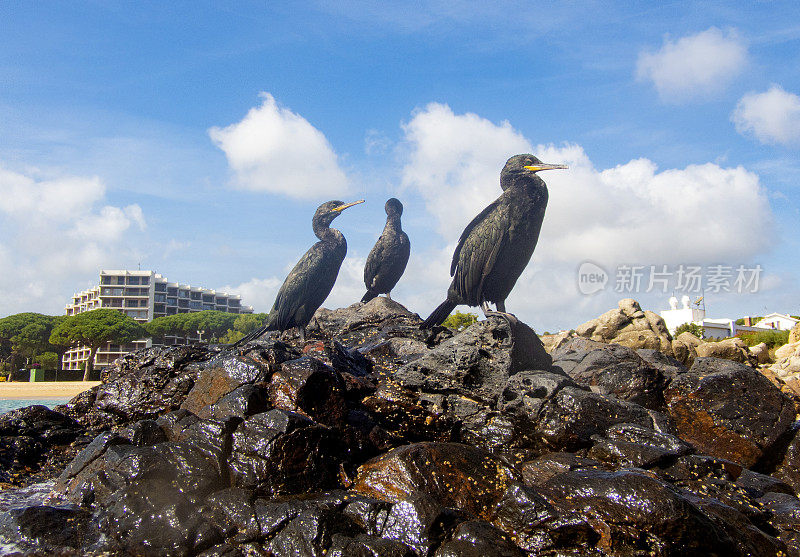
(727, 409)
(761, 353)
(311, 388)
(549, 465)
(569, 419)
(552, 342)
(789, 349)
(611, 369)
(633, 446)
(28, 434)
(629, 326)
(733, 349)
(669, 367)
(280, 452)
(147, 383)
(628, 509)
(785, 516)
(794, 334)
(454, 475)
(48, 529)
(476, 538)
(227, 372)
(478, 361)
(368, 546)
(420, 522)
(310, 533)
(788, 467)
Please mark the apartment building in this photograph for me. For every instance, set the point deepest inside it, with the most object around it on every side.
(144, 295)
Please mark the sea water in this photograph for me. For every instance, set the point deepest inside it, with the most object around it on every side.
(7, 404)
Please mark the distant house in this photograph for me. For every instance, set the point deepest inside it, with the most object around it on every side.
(777, 321)
(720, 328)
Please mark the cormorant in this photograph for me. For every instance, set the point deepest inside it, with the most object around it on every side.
(496, 246)
(389, 256)
(312, 278)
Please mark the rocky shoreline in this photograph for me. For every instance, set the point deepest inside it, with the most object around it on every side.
(377, 438)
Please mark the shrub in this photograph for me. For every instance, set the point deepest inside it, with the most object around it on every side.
(693, 328)
(771, 338)
(460, 321)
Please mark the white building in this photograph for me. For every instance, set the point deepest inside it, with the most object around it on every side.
(143, 295)
(719, 328)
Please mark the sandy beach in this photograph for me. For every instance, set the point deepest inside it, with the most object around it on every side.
(47, 389)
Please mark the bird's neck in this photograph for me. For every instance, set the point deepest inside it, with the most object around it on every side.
(327, 234)
(393, 223)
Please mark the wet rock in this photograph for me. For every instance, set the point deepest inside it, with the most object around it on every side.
(568, 420)
(310, 533)
(251, 364)
(475, 538)
(784, 513)
(284, 452)
(238, 404)
(455, 475)
(611, 369)
(729, 410)
(630, 510)
(406, 416)
(538, 471)
(28, 434)
(311, 388)
(420, 522)
(748, 539)
(788, 467)
(48, 529)
(144, 433)
(634, 446)
(233, 512)
(148, 383)
(526, 391)
(363, 545)
(523, 512)
(669, 367)
(478, 361)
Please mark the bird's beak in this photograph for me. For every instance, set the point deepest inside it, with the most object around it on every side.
(543, 166)
(341, 208)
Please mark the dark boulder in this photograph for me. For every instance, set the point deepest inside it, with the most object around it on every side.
(48, 529)
(634, 446)
(567, 421)
(788, 466)
(455, 475)
(250, 364)
(478, 361)
(280, 452)
(632, 511)
(420, 522)
(476, 538)
(311, 388)
(611, 369)
(729, 410)
(147, 383)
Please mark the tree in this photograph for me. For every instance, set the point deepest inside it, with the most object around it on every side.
(244, 324)
(213, 324)
(693, 328)
(460, 321)
(94, 329)
(27, 335)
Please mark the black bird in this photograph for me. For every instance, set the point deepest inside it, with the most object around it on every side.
(389, 256)
(313, 277)
(496, 246)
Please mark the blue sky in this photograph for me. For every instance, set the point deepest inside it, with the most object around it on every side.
(198, 138)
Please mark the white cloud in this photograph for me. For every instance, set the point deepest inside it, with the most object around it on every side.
(275, 150)
(695, 66)
(55, 233)
(632, 213)
(772, 116)
(257, 292)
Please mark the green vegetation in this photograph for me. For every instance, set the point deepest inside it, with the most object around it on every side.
(772, 339)
(693, 328)
(214, 325)
(243, 324)
(94, 329)
(460, 321)
(26, 337)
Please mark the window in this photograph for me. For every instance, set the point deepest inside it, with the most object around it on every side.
(183, 294)
(161, 287)
(196, 305)
(133, 280)
(160, 298)
(197, 295)
(233, 303)
(183, 303)
(172, 301)
(208, 299)
(145, 280)
(172, 291)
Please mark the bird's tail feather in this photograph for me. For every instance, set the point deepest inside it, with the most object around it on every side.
(269, 325)
(368, 296)
(439, 315)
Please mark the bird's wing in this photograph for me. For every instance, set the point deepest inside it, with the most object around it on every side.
(302, 288)
(372, 267)
(489, 208)
(478, 253)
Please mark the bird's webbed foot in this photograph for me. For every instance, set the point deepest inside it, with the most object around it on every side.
(501, 312)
